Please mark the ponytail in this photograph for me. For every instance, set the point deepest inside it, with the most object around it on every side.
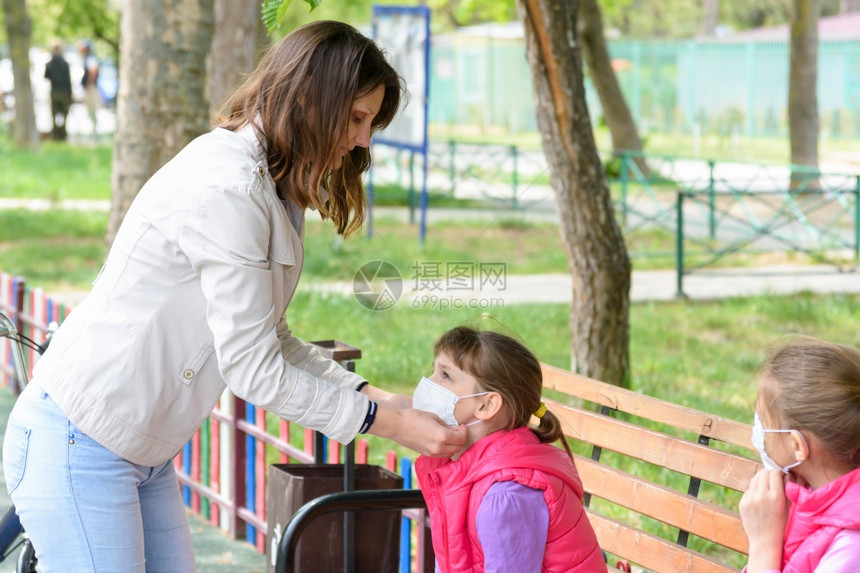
(549, 430)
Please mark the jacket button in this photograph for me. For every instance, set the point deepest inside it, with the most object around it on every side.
(188, 374)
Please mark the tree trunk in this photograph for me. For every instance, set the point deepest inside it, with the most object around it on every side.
(161, 104)
(711, 18)
(595, 248)
(849, 6)
(802, 84)
(18, 31)
(234, 48)
(622, 128)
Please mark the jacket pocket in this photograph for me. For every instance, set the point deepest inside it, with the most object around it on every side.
(15, 447)
(193, 366)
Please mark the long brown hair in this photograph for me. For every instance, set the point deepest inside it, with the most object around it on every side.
(502, 364)
(813, 385)
(299, 98)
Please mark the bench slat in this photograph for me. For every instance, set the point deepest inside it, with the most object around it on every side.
(686, 512)
(650, 551)
(647, 407)
(703, 462)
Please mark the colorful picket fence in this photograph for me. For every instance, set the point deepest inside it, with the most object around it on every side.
(32, 311)
(222, 470)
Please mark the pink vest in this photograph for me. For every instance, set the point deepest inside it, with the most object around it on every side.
(816, 517)
(454, 490)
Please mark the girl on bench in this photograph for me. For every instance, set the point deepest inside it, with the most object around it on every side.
(801, 513)
(509, 501)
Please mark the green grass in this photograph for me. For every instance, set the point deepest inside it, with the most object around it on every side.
(525, 247)
(56, 172)
(59, 250)
(56, 250)
(702, 355)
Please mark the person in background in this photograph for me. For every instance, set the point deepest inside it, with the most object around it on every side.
(192, 300)
(92, 98)
(57, 72)
(508, 500)
(800, 512)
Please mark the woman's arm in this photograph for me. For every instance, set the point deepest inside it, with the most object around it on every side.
(418, 430)
(385, 398)
(307, 357)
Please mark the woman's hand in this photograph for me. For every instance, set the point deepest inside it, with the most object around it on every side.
(764, 512)
(418, 430)
(389, 399)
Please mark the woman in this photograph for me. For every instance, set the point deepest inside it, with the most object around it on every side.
(192, 299)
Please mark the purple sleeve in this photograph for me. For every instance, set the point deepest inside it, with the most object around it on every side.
(512, 525)
(843, 555)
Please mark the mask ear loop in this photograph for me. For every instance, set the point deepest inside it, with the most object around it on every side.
(792, 431)
(805, 446)
(472, 396)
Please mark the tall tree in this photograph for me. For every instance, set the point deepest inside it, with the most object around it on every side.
(236, 42)
(849, 6)
(161, 103)
(802, 84)
(457, 13)
(97, 20)
(596, 253)
(18, 31)
(710, 19)
(618, 118)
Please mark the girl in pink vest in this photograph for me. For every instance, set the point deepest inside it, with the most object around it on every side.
(802, 512)
(509, 501)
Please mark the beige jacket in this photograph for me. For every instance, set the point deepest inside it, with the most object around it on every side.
(192, 299)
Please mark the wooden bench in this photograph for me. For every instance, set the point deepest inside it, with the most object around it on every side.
(664, 515)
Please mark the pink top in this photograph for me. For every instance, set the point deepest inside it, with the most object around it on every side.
(843, 555)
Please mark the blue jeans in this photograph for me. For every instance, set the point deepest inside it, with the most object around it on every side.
(85, 508)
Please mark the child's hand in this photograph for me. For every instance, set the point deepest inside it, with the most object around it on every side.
(764, 512)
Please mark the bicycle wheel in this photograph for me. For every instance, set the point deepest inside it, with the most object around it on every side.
(26, 559)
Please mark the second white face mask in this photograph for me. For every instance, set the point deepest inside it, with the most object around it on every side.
(758, 433)
(432, 397)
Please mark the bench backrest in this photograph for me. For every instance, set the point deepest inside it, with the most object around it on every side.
(663, 510)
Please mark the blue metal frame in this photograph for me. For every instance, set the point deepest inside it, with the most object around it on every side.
(422, 149)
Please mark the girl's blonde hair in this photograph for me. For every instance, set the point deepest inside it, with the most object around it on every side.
(502, 364)
(299, 99)
(813, 385)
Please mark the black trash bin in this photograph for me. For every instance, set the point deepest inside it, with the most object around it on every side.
(320, 549)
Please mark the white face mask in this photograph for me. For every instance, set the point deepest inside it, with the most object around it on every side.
(758, 433)
(432, 397)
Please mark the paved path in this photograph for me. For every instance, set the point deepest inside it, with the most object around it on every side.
(646, 286)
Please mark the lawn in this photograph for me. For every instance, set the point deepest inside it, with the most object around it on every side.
(57, 172)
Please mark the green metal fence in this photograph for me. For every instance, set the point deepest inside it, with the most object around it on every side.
(680, 86)
(718, 209)
(706, 210)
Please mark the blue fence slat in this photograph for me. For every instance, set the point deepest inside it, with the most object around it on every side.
(406, 523)
(250, 473)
